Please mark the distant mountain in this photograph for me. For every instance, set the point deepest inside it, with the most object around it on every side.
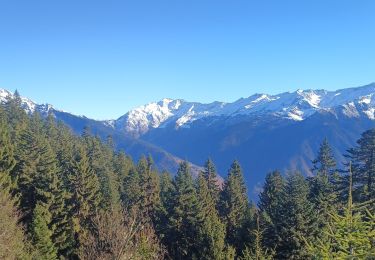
(133, 147)
(296, 106)
(264, 132)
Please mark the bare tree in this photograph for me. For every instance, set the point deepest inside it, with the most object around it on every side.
(122, 236)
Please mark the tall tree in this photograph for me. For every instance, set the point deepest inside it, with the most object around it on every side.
(234, 204)
(363, 158)
(270, 207)
(210, 175)
(150, 189)
(323, 186)
(7, 160)
(297, 219)
(211, 233)
(86, 197)
(350, 233)
(183, 220)
(42, 234)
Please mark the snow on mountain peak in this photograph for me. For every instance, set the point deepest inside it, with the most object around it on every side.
(295, 106)
(28, 105)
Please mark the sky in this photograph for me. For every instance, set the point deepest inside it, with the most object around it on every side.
(103, 58)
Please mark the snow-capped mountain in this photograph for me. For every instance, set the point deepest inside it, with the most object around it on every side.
(296, 106)
(134, 147)
(264, 132)
(27, 104)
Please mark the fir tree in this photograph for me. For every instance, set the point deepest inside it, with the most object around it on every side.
(349, 234)
(210, 175)
(363, 159)
(297, 219)
(86, 197)
(183, 220)
(42, 234)
(211, 230)
(270, 207)
(150, 189)
(7, 160)
(323, 186)
(234, 204)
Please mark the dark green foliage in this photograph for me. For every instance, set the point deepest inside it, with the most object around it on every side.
(7, 160)
(234, 204)
(41, 233)
(149, 187)
(297, 219)
(270, 207)
(85, 195)
(323, 186)
(363, 159)
(350, 234)
(55, 189)
(210, 175)
(184, 216)
(211, 231)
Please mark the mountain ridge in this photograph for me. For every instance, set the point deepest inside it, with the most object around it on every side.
(297, 105)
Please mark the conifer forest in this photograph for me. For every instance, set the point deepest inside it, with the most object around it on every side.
(64, 196)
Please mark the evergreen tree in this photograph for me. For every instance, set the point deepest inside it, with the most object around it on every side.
(323, 186)
(349, 234)
(7, 160)
(100, 160)
(234, 204)
(363, 159)
(210, 175)
(42, 234)
(150, 189)
(270, 207)
(325, 163)
(211, 230)
(86, 197)
(257, 251)
(183, 220)
(131, 194)
(297, 219)
(166, 205)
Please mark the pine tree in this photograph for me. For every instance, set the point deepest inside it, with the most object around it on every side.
(150, 189)
(325, 163)
(234, 204)
(86, 197)
(350, 234)
(100, 160)
(211, 230)
(210, 175)
(363, 159)
(257, 251)
(42, 234)
(297, 219)
(270, 207)
(7, 160)
(167, 191)
(323, 186)
(183, 220)
(131, 194)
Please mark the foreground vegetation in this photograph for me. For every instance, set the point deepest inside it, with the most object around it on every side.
(69, 197)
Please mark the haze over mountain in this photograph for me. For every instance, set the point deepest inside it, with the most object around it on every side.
(264, 132)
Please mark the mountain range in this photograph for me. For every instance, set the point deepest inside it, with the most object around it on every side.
(264, 132)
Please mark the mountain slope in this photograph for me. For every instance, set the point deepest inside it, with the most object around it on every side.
(134, 147)
(296, 106)
(264, 132)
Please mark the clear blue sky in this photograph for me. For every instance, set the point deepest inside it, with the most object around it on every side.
(102, 58)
